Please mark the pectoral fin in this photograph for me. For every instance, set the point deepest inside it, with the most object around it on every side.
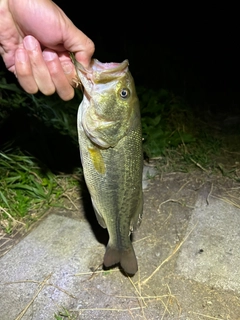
(97, 159)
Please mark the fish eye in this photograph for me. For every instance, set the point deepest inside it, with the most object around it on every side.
(124, 93)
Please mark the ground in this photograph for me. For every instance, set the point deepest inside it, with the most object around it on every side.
(176, 279)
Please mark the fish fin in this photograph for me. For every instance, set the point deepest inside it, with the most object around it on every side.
(97, 159)
(112, 256)
(98, 216)
(126, 258)
(137, 218)
(129, 261)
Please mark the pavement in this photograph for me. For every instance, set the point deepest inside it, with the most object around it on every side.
(187, 250)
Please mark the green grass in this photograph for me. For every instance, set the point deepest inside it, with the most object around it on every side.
(180, 140)
(50, 110)
(64, 314)
(26, 190)
(165, 121)
(173, 135)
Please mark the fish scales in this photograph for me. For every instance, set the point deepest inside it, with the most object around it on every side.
(110, 140)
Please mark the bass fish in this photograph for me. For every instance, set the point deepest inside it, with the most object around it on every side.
(110, 140)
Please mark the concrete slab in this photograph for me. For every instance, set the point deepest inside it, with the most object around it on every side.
(211, 253)
(58, 248)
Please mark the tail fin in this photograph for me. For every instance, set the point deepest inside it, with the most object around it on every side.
(126, 258)
(129, 261)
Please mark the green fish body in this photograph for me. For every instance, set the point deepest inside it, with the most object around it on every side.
(110, 140)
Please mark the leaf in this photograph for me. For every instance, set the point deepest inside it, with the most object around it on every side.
(11, 87)
(4, 199)
(32, 190)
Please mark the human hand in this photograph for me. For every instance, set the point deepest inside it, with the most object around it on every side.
(35, 40)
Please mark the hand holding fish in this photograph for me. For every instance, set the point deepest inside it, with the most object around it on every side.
(35, 38)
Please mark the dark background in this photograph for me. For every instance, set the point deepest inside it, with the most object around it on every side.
(193, 51)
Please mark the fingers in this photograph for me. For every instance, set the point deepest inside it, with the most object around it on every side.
(44, 71)
(74, 40)
(62, 72)
(31, 69)
(84, 56)
(23, 71)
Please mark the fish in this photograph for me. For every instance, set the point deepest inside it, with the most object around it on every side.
(110, 143)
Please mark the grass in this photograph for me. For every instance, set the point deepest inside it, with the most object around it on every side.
(28, 183)
(32, 179)
(64, 314)
(164, 121)
(180, 139)
(26, 190)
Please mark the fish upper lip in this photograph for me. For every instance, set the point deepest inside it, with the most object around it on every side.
(98, 68)
(110, 67)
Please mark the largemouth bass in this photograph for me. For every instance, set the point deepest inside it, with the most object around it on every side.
(110, 139)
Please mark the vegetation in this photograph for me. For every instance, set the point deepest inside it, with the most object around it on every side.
(65, 315)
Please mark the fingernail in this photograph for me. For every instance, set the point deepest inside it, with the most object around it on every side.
(21, 55)
(67, 67)
(49, 55)
(30, 43)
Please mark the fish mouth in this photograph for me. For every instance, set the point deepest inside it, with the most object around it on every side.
(100, 72)
(108, 66)
(97, 66)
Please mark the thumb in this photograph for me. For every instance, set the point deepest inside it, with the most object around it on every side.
(74, 40)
